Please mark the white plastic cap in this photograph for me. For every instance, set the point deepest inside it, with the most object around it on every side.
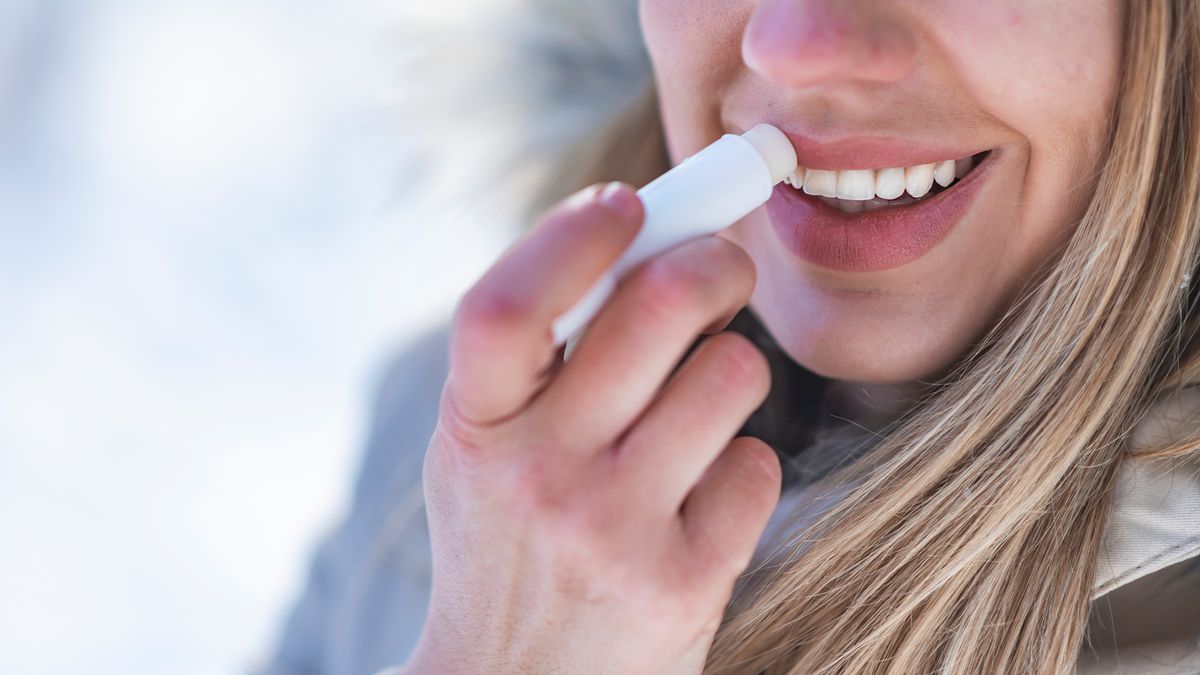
(775, 149)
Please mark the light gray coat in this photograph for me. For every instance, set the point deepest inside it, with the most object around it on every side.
(368, 588)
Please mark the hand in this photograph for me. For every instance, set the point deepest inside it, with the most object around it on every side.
(592, 516)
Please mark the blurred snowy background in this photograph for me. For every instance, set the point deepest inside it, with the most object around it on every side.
(204, 264)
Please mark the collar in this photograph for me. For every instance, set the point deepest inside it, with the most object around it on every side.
(1154, 519)
(1154, 516)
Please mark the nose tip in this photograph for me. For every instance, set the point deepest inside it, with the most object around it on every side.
(805, 43)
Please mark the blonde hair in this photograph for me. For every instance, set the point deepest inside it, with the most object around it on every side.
(969, 541)
(966, 539)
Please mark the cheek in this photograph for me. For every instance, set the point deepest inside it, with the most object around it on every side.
(1055, 93)
(695, 32)
(695, 50)
(1055, 90)
(1041, 74)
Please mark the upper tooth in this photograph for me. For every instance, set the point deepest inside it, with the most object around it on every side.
(866, 184)
(918, 179)
(858, 184)
(943, 173)
(889, 183)
(822, 183)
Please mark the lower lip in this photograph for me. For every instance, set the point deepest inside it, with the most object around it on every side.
(870, 241)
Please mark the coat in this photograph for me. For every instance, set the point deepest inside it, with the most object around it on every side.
(363, 605)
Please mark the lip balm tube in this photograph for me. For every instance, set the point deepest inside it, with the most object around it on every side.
(704, 194)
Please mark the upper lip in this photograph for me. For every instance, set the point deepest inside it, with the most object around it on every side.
(869, 152)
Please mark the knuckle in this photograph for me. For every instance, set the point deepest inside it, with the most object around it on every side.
(740, 364)
(669, 286)
(584, 528)
(484, 311)
(460, 442)
(529, 487)
(590, 525)
(628, 448)
(705, 276)
(582, 535)
(539, 492)
(473, 445)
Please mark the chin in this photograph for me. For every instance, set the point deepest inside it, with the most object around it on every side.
(840, 350)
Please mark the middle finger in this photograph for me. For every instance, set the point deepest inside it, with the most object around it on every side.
(652, 318)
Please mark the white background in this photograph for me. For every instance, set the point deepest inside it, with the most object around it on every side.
(204, 263)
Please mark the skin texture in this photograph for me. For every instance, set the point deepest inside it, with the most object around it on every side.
(1033, 80)
(592, 515)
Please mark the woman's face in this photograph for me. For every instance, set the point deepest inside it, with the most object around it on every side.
(893, 290)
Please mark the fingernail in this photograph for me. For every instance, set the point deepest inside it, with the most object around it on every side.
(623, 200)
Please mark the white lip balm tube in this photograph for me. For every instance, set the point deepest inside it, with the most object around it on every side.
(705, 193)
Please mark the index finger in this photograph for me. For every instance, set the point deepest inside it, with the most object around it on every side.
(501, 342)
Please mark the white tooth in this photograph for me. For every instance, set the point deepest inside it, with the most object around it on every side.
(818, 182)
(856, 184)
(918, 179)
(943, 173)
(962, 166)
(889, 183)
(796, 179)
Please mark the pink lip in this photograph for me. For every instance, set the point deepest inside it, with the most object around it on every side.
(870, 152)
(871, 241)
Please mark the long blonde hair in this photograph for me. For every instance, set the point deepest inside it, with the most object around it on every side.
(968, 539)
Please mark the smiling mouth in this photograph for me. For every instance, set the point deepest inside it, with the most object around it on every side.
(863, 190)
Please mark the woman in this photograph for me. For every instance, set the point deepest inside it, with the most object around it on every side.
(948, 429)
